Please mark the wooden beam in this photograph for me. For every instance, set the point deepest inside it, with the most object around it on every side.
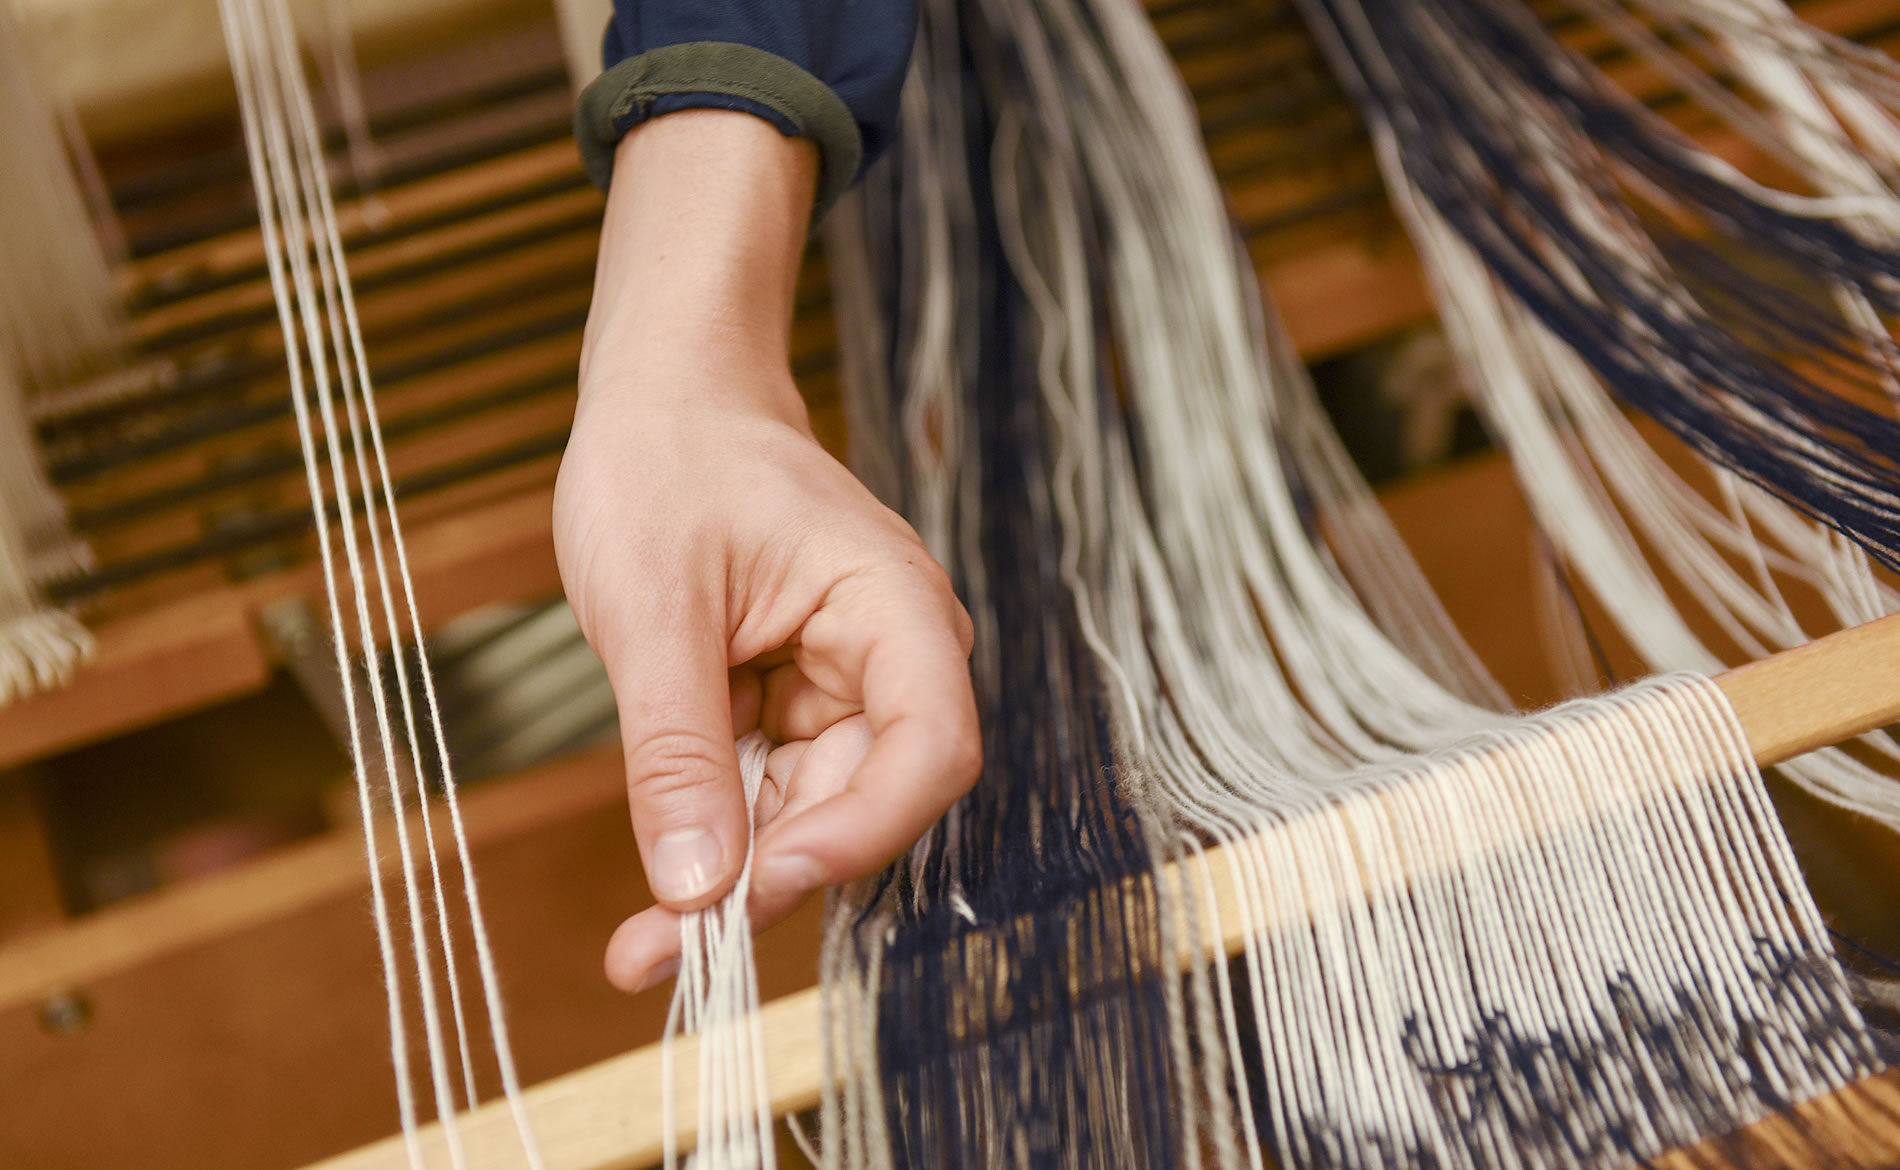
(602, 1118)
(30, 898)
(133, 66)
(189, 654)
(1829, 690)
(220, 974)
(161, 664)
(275, 887)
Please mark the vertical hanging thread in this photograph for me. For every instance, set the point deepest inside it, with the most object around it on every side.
(317, 313)
(59, 320)
(716, 997)
(1573, 939)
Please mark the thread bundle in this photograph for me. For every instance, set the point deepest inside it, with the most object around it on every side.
(370, 596)
(59, 320)
(1578, 940)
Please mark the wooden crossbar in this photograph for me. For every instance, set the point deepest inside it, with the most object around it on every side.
(609, 1116)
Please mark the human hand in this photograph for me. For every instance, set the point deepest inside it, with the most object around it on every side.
(728, 571)
(731, 574)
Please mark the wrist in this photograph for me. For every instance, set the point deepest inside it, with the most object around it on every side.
(662, 383)
(704, 230)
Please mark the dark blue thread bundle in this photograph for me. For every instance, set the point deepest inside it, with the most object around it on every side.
(1709, 358)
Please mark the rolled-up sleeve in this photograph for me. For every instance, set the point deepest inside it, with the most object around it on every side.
(828, 70)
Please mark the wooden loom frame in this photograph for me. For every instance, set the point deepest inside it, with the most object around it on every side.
(189, 653)
(606, 1117)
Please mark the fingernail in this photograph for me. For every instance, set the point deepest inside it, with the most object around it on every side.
(684, 865)
(789, 874)
(660, 973)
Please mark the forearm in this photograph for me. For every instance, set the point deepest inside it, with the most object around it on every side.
(705, 226)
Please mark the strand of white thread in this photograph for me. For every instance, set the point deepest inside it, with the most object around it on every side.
(308, 153)
(716, 995)
(243, 55)
(356, 361)
(484, 952)
(283, 71)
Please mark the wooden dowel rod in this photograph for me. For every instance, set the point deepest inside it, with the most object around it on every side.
(609, 1116)
(1832, 689)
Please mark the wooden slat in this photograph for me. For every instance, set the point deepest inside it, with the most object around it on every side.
(30, 897)
(401, 209)
(275, 887)
(204, 649)
(1820, 693)
(164, 664)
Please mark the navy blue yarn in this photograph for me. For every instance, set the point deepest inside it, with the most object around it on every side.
(1473, 167)
(1045, 841)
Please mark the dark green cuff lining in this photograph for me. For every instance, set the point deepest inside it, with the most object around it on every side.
(619, 99)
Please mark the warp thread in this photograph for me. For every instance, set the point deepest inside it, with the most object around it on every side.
(1622, 519)
(59, 319)
(716, 997)
(1585, 943)
(335, 409)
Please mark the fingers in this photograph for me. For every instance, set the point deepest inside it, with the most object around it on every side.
(780, 767)
(795, 708)
(748, 698)
(644, 951)
(901, 643)
(821, 768)
(677, 706)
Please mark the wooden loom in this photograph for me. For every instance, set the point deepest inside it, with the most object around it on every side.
(1829, 690)
(474, 282)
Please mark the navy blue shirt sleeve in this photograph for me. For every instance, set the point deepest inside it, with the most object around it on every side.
(830, 70)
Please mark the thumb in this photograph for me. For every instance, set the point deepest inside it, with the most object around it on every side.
(671, 686)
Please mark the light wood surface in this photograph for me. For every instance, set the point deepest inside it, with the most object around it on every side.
(608, 1116)
(1827, 691)
(604, 1117)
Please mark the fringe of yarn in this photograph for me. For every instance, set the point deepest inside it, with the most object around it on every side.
(59, 320)
(1578, 940)
(40, 647)
(59, 312)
